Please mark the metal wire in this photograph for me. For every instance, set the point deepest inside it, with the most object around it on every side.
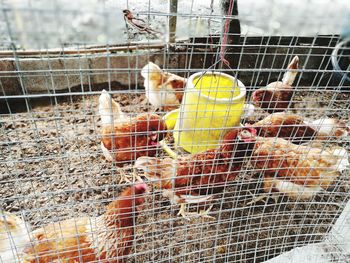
(57, 57)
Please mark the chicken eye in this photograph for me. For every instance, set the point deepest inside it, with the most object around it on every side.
(246, 133)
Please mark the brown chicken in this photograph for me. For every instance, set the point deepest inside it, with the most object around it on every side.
(125, 139)
(277, 95)
(194, 178)
(106, 238)
(297, 171)
(163, 90)
(296, 129)
(13, 236)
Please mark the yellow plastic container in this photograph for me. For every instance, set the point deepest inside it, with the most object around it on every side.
(213, 103)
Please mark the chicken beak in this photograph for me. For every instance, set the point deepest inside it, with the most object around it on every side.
(139, 179)
(150, 178)
(154, 137)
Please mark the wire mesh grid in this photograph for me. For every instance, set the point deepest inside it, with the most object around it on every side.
(61, 160)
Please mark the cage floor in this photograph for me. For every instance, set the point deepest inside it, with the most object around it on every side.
(52, 169)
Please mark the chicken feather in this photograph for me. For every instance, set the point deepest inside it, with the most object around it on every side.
(89, 239)
(13, 236)
(200, 174)
(277, 95)
(125, 139)
(163, 90)
(298, 171)
(297, 129)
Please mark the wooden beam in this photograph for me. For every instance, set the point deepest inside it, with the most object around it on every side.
(172, 20)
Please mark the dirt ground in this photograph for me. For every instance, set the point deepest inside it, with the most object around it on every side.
(51, 168)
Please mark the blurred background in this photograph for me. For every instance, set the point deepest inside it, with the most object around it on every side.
(32, 24)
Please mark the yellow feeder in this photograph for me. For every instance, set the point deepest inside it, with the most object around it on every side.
(213, 103)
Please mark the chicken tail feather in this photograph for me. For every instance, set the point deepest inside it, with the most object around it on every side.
(109, 110)
(151, 71)
(343, 161)
(155, 168)
(330, 127)
(248, 110)
(291, 73)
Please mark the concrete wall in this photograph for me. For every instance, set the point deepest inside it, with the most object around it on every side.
(261, 60)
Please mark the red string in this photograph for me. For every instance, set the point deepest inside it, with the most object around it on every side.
(224, 40)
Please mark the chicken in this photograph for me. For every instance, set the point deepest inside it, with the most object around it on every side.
(106, 238)
(288, 126)
(297, 129)
(13, 236)
(194, 178)
(125, 139)
(163, 90)
(277, 95)
(297, 171)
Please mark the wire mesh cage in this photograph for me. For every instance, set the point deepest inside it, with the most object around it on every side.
(174, 131)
